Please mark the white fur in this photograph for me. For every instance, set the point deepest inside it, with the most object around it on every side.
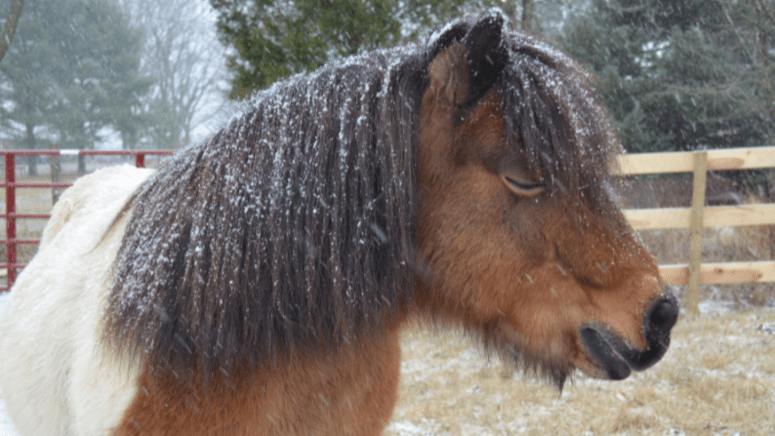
(55, 377)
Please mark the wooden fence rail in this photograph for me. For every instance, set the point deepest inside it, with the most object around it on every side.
(698, 216)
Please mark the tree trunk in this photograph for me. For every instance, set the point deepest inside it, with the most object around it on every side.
(128, 141)
(56, 177)
(32, 161)
(9, 28)
(510, 9)
(529, 22)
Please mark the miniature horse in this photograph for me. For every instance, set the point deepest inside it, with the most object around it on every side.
(257, 284)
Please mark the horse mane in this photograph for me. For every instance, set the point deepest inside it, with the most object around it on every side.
(292, 229)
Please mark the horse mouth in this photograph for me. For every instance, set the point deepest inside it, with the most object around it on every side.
(616, 357)
(603, 354)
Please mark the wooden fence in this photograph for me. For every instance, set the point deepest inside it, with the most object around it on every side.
(698, 216)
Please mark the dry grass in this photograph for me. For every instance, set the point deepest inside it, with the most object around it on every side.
(718, 378)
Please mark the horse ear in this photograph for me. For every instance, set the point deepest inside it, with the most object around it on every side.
(486, 55)
(449, 36)
(466, 63)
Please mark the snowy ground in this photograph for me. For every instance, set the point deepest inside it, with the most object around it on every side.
(718, 378)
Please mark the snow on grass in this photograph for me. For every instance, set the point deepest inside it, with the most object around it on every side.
(718, 378)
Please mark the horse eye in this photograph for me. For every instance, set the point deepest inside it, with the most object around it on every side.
(523, 189)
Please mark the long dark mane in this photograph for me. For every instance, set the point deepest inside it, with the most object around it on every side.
(293, 228)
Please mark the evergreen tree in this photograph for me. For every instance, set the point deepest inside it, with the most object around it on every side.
(667, 70)
(274, 39)
(26, 93)
(751, 25)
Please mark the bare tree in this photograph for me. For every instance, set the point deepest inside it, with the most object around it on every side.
(185, 58)
(9, 27)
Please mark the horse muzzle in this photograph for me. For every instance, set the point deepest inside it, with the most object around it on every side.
(616, 357)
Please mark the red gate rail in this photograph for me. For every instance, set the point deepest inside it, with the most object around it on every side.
(11, 185)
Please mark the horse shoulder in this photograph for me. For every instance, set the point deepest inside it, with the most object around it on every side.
(350, 393)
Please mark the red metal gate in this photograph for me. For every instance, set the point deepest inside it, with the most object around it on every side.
(11, 185)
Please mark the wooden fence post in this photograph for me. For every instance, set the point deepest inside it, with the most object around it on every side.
(696, 226)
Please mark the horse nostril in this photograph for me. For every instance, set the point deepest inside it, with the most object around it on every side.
(662, 315)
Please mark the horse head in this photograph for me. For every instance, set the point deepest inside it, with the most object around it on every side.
(519, 238)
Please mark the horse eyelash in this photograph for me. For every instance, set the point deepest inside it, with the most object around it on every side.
(525, 187)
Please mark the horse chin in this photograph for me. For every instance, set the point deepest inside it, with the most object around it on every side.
(546, 363)
(609, 364)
